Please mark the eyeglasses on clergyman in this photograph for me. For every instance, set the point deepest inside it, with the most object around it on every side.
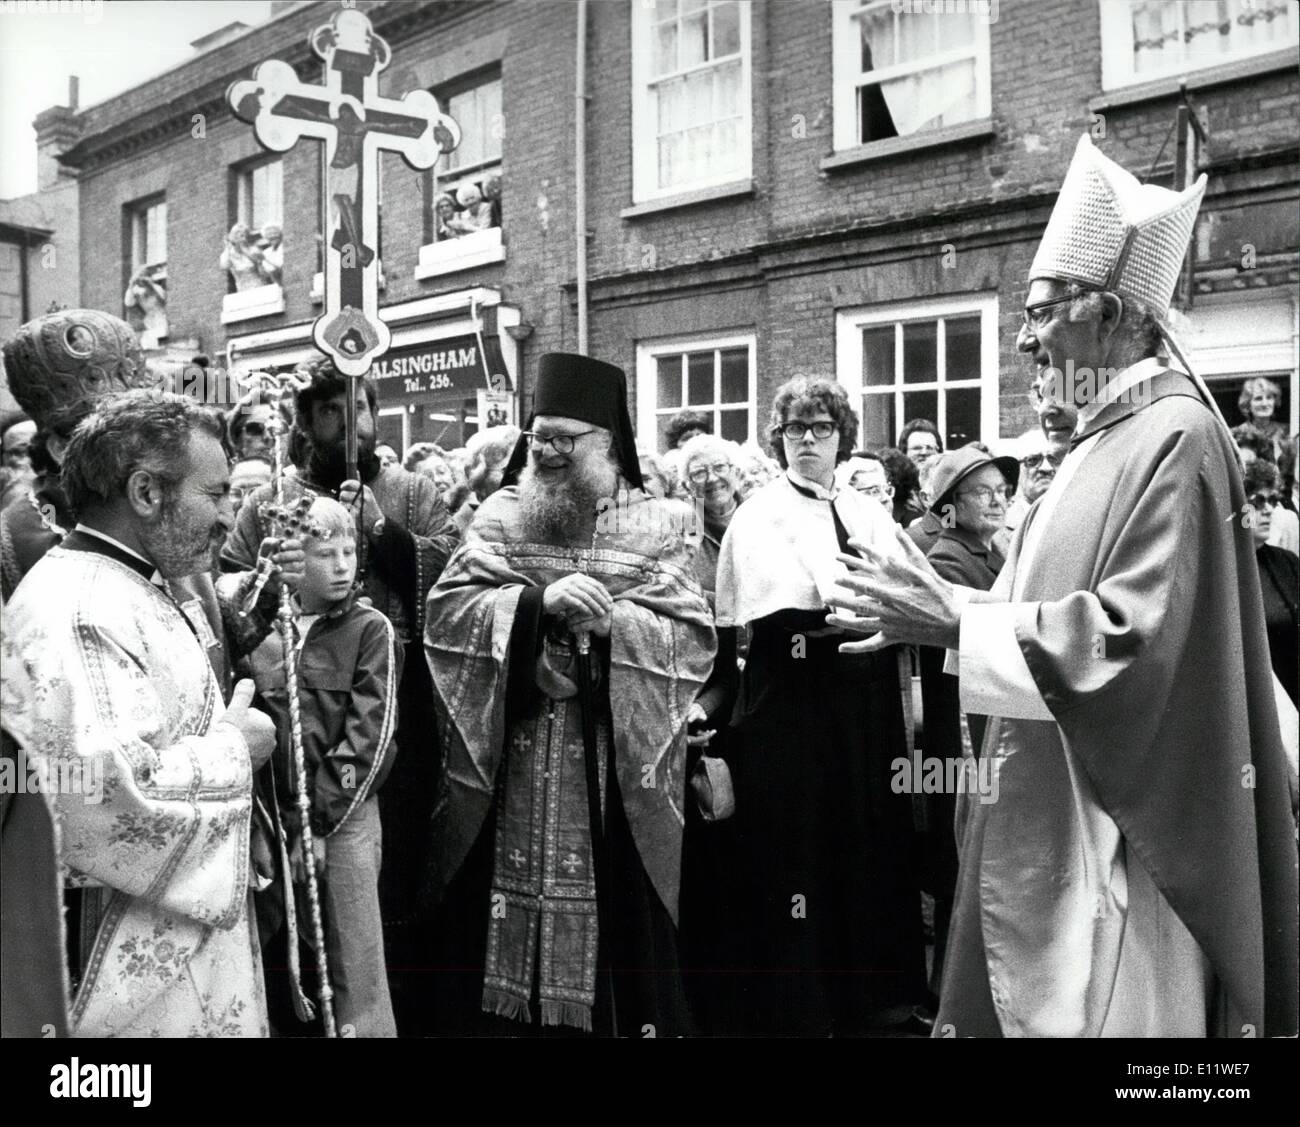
(561, 443)
(1033, 314)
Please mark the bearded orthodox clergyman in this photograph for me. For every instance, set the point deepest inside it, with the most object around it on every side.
(546, 937)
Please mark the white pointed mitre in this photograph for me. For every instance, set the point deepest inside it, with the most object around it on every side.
(1108, 232)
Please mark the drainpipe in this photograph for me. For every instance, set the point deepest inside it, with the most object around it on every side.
(580, 173)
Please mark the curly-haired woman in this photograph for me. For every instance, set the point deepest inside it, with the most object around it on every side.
(833, 916)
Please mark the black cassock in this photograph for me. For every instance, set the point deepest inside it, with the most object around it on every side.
(829, 933)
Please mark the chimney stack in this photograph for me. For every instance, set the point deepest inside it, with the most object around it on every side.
(57, 131)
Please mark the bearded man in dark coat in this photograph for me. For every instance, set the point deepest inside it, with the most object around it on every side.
(567, 639)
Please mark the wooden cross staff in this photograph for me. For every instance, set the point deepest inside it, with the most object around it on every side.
(356, 124)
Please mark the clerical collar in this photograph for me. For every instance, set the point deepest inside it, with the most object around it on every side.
(119, 551)
(809, 488)
(1120, 385)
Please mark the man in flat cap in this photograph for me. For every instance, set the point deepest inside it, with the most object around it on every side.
(1137, 876)
(567, 640)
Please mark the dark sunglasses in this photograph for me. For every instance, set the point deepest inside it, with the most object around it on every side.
(1259, 500)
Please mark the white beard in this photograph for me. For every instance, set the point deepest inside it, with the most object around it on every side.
(563, 512)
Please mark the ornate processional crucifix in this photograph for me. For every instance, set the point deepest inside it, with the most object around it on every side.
(356, 124)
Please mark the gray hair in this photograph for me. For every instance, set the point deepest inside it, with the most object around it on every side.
(1139, 323)
(132, 431)
(708, 446)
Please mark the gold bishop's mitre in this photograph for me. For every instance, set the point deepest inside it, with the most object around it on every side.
(1109, 232)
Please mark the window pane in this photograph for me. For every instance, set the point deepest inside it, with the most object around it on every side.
(726, 91)
(695, 40)
(877, 31)
(669, 373)
(699, 378)
(268, 198)
(916, 34)
(155, 245)
(963, 341)
(956, 30)
(1207, 32)
(493, 120)
(726, 29)
(671, 166)
(734, 425)
(920, 405)
(878, 356)
(665, 60)
(665, 10)
(724, 148)
(927, 99)
(963, 422)
(1155, 36)
(879, 427)
(920, 358)
(875, 118)
(672, 105)
(735, 375)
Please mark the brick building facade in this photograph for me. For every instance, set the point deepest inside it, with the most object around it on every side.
(776, 187)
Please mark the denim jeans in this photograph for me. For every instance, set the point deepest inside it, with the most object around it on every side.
(354, 937)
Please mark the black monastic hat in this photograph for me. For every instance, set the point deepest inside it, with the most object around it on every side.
(578, 387)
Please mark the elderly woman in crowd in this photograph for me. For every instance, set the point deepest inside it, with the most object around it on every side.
(1258, 403)
(710, 858)
(971, 493)
(429, 459)
(755, 468)
(660, 481)
(833, 923)
(866, 473)
(1279, 574)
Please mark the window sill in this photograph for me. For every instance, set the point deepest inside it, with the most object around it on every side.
(480, 248)
(263, 301)
(689, 199)
(1287, 59)
(914, 142)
